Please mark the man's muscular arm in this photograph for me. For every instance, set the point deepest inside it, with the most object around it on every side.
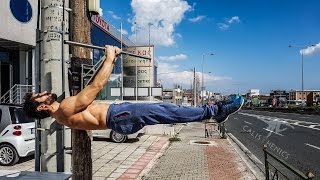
(85, 97)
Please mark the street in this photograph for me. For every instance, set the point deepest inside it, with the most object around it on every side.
(292, 137)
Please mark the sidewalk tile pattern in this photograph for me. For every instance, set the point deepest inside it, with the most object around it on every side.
(184, 160)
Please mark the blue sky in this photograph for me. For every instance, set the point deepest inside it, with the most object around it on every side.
(249, 39)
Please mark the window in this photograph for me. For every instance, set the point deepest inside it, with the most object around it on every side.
(21, 117)
(18, 116)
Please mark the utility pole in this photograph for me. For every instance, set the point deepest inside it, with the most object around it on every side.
(53, 58)
(80, 27)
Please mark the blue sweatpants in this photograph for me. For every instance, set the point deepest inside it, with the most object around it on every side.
(128, 118)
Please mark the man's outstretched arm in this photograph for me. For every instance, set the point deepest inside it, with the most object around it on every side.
(85, 97)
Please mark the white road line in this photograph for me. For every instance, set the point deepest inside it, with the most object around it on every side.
(305, 124)
(272, 131)
(247, 122)
(305, 117)
(312, 146)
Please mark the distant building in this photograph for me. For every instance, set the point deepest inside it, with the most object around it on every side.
(265, 100)
(310, 97)
(173, 96)
(279, 97)
(253, 92)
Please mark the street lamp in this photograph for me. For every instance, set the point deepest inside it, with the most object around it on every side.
(302, 60)
(202, 77)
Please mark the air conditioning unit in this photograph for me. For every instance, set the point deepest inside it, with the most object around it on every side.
(94, 7)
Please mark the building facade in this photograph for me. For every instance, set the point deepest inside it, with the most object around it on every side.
(309, 97)
(19, 21)
(20, 53)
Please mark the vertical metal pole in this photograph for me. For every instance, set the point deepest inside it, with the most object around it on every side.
(202, 82)
(194, 88)
(302, 88)
(33, 67)
(266, 162)
(60, 129)
(149, 66)
(37, 146)
(121, 46)
(136, 92)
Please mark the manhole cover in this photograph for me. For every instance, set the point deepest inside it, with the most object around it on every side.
(201, 142)
(204, 143)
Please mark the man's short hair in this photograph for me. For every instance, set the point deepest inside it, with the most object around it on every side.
(30, 108)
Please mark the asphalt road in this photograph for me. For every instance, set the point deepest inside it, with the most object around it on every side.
(294, 138)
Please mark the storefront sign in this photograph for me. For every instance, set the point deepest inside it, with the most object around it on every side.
(147, 51)
(100, 22)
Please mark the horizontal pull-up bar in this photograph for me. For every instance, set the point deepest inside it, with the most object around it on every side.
(102, 48)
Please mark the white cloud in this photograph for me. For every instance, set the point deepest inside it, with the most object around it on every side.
(228, 23)
(114, 16)
(124, 32)
(101, 12)
(196, 19)
(234, 19)
(223, 26)
(170, 74)
(161, 16)
(173, 58)
(311, 49)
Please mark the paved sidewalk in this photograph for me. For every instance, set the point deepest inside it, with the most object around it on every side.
(128, 160)
(187, 159)
(153, 157)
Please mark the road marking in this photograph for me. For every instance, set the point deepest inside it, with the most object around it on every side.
(247, 122)
(312, 146)
(283, 121)
(305, 117)
(272, 131)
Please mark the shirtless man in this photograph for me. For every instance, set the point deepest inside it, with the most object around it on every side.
(82, 112)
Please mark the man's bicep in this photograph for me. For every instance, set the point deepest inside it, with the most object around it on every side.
(88, 94)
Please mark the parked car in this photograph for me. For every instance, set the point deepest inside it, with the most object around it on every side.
(116, 137)
(17, 134)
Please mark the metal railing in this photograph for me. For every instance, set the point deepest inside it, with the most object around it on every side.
(211, 126)
(276, 174)
(16, 93)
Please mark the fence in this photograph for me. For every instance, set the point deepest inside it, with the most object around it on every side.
(16, 93)
(277, 174)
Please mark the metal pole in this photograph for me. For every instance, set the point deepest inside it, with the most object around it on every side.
(194, 88)
(302, 88)
(121, 63)
(103, 48)
(136, 90)
(149, 67)
(202, 81)
(266, 165)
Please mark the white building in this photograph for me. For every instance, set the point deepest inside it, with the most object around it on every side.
(254, 92)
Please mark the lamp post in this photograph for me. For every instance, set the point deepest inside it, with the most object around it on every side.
(202, 77)
(302, 62)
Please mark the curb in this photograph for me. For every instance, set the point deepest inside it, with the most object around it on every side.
(253, 163)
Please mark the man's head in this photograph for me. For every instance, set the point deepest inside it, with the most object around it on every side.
(37, 105)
